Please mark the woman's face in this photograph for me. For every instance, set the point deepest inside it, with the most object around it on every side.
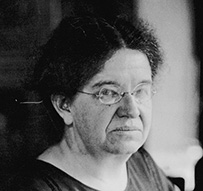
(120, 128)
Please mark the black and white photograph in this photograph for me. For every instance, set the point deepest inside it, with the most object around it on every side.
(101, 95)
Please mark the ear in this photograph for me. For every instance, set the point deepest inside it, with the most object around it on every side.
(61, 106)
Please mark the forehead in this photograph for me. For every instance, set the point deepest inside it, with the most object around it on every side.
(126, 66)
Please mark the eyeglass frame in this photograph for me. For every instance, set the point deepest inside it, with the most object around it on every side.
(121, 94)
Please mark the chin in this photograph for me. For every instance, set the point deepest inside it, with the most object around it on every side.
(126, 149)
(131, 149)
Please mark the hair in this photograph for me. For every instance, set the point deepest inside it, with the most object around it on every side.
(79, 48)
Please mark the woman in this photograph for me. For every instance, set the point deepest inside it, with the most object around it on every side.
(96, 81)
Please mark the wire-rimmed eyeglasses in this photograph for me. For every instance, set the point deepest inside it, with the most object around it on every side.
(142, 93)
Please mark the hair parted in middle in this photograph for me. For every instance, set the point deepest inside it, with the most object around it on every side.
(79, 48)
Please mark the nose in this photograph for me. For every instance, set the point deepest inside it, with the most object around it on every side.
(128, 107)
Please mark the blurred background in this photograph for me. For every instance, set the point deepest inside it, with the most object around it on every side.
(176, 137)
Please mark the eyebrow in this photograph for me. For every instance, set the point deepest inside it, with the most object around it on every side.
(101, 83)
(145, 82)
(110, 82)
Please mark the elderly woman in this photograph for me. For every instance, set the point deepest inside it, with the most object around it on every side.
(96, 81)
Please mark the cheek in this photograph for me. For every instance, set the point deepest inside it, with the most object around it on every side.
(92, 118)
(146, 117)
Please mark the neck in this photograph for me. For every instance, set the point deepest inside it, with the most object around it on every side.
(102, 173)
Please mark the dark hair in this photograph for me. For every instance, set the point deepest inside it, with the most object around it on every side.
(79, 48)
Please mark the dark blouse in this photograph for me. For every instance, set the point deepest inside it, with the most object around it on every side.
(143, 175)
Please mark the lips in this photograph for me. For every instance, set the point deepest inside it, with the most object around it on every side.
(130, 125)
(127, 128)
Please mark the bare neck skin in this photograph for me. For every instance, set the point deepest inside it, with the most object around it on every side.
(98, 172)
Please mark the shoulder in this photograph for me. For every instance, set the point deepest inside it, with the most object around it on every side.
(142, 160)
(37, 175)
(142, 164)
(31, 176)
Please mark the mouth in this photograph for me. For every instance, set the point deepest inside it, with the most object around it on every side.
(126, 129)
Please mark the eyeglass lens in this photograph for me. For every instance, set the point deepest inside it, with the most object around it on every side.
(141, 93)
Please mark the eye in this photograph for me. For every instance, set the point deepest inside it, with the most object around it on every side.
(108, 93)
(142, 91)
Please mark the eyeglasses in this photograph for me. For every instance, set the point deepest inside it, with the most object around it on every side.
(110, 95)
